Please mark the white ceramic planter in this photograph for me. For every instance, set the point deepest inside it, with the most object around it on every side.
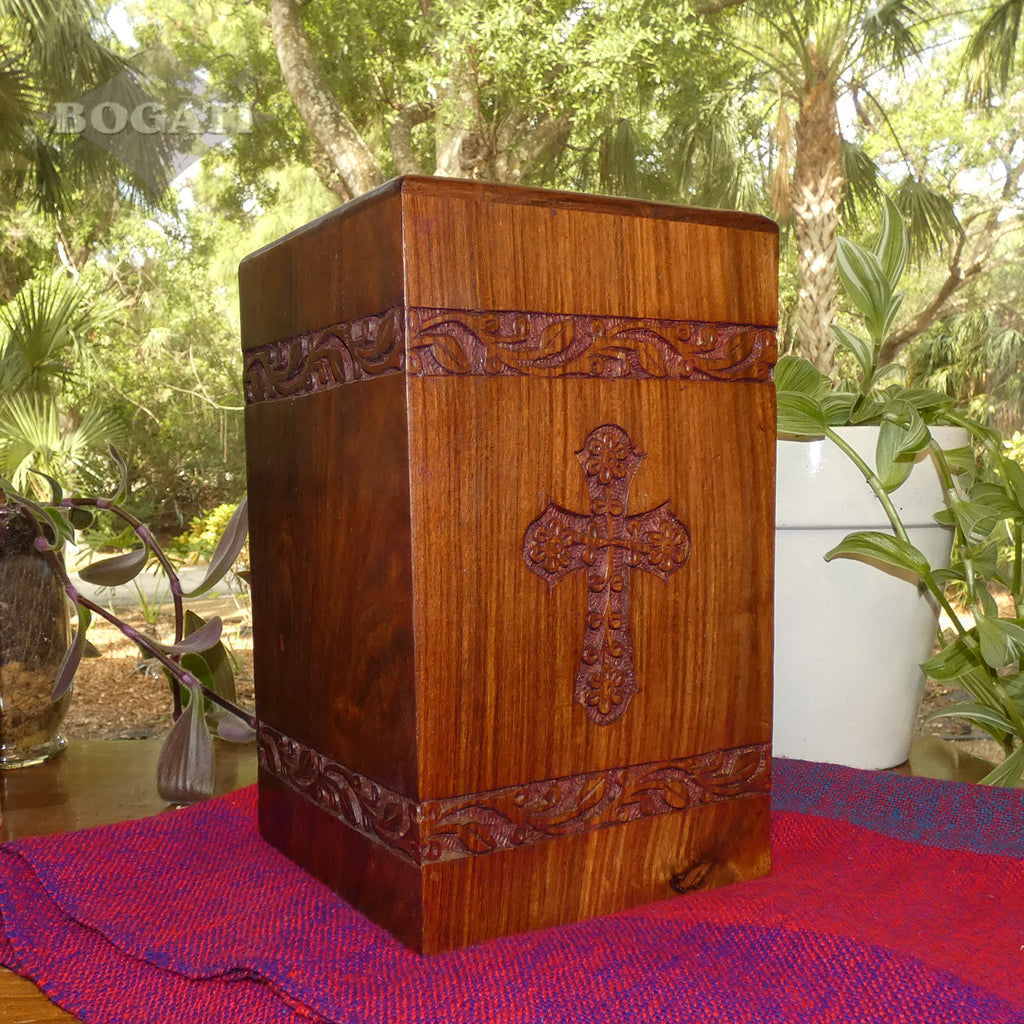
(849, 637)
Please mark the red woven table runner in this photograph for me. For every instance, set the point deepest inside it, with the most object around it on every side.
(891, 899)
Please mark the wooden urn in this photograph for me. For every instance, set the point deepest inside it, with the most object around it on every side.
(511, 490)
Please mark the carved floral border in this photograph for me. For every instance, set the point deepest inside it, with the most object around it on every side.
(457, 342)
(440, 830)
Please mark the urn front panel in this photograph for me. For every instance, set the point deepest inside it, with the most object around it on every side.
(498, 653)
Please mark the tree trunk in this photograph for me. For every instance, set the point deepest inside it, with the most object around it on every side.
(400, 136)
(817, 193)
(460, 147)
(355, 167)
(516, 155)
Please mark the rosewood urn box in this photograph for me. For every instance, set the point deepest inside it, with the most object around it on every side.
(511, 485)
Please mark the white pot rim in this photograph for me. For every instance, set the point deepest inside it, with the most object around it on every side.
(818, 486)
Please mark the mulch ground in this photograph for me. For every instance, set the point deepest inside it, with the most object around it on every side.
(122, 696)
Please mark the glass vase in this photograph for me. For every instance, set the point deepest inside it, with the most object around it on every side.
(35, 629)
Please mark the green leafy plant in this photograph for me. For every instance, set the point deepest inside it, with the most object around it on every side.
(32, 440)
(150, 604)
(984, 652)
(195, 661)
(199, 542)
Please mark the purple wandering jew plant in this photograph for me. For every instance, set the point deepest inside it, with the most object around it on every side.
(195, 662)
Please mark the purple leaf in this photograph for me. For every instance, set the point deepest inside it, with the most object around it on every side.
(56, 491)
(222, 677)
(231, 542)
(73, 656)
(61, 529)
(184, 772)
(80, 518)
(205, 637)
(122, 484)
(234, 730)
(112, 572)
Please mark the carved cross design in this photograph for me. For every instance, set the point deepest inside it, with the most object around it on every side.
(606, 544)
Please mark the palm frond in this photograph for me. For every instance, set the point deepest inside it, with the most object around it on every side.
(58, 37)
(44, 325)
(52, 51)
(892, 29)
(711, 164)
(930, 218)
(862, 191)
(992, 51)
(973, 358)
(33, 440)
(49, 188)
(781, 188)
(617, 159)
(18, 98)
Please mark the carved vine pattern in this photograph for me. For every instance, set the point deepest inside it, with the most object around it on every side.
(444, 342)
(502, 819)
(325, 358)
(606, 544)
(371, 809)
(494, 343)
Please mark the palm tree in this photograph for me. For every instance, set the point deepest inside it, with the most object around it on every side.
(49, 52)
(42, 330)
(34, 440)
(819, 51)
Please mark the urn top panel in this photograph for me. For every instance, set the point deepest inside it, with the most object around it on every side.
(436, 243)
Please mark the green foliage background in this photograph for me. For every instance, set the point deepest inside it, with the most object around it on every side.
(662, 99)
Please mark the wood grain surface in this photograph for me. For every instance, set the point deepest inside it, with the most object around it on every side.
(601, 872)
(474, 246)
(492, 247)
(22, 1003)
(100, 782)
(330, 555)
(442, 906)
(398, 629)
(497, 651)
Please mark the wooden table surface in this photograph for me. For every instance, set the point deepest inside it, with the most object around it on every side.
(102, 782)
(94, 783)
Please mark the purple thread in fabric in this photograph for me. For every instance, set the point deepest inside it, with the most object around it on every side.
(916, 810)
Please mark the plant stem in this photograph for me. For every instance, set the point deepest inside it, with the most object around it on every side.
(873, 482)
(1018, 551)
(944, 471)
(994, 692)
(1003, 699)
(142, 532)
(897, 524)
(181, 676)
(939, 594)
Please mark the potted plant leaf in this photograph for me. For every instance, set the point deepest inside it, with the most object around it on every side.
(862, 470)
(194, 660)
(982, 651)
